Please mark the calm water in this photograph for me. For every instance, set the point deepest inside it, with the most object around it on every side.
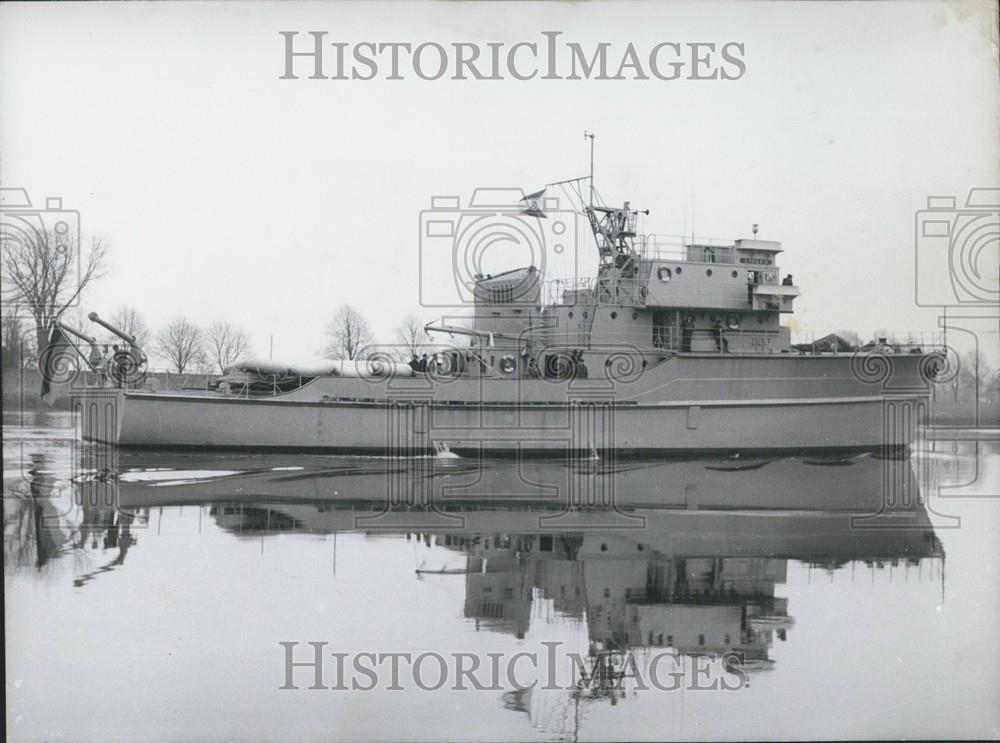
(147, 596)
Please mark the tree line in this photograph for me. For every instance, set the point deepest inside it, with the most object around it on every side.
(182, 345)
(349, 336)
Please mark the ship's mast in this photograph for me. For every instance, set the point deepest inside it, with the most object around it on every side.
(613, 228)
(590, 136)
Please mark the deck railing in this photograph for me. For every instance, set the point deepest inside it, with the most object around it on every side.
(685, 248)
(554, 290)
(605, 290)
(670, 338)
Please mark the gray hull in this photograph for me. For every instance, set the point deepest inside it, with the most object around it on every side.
(692, 405)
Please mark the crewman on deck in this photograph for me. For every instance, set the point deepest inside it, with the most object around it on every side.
(717, 334)
(414, 363)
(423, 363)
(687, 327)
(96, 360)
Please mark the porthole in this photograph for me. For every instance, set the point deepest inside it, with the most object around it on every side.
(663, 273)
(584, 315)
(677, 270)
(735, 274)
(708, 271)
(571, 314)
(635, 315)
(614, 315)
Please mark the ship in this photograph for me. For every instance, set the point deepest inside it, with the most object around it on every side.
(674, 347)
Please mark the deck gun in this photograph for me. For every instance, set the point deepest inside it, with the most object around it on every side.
(125, 366)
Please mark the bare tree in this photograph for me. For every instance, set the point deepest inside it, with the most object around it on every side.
(181, 343)
(226, 344)
(202, 363)
(40, 270)
(20, 349)
(349, 335)
(993, 392)
(973, 379)
(410, 337)
(131, 322)
(952, 383)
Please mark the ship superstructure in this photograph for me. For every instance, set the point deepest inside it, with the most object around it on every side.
(652, 297)
(675, 345)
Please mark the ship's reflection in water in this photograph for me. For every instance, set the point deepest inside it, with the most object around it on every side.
(699, 582)
(46, 519)
(685, 557)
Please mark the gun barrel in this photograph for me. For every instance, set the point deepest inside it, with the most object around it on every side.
(94, 317)
(73, 331)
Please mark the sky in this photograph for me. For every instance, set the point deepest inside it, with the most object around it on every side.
(227, 193)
